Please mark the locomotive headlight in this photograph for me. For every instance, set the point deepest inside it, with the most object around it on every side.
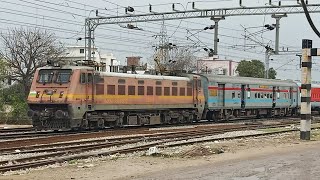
(37, 94)
(61, 94)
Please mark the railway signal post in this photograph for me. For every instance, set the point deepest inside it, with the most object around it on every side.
(307, 53)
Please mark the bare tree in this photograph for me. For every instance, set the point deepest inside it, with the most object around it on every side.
(182, 60)
(28, 49)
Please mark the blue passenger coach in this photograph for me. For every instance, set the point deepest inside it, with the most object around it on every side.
(228, 97)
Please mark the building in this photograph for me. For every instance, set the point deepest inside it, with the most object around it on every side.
(217, 67)
(75, 55)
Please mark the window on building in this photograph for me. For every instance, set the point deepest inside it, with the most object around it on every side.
(81, 51)
(174, 83)
(158, 83)
(140, 81)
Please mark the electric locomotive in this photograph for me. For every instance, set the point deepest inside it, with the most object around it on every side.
(73, 97)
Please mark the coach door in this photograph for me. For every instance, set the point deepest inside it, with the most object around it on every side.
(195, 91)
(274, 97)
(291, 96)
(87, 81)
(243, 96)
(221, 95)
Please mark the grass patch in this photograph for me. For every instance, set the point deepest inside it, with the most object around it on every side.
(271, 130)
(73, 161)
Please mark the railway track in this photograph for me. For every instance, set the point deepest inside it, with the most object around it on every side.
(60, 152)
(29, 133)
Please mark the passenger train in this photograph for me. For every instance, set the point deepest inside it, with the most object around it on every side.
(78, 97)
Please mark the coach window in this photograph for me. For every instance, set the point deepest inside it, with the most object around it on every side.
(149, 90)
(111, 89)
(258, 95)
(141, 90)
(131, 90)
(121, 90)
(182, 91)
(255, 95)
(268, 96)
(166, 91)
(233, 95)
(239, 95)
(159, 91)
(249, 93)
(174, 91)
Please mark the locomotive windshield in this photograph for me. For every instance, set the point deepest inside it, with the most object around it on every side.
(63, 76)
(45, 76)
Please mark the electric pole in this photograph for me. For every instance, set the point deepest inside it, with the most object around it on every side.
(277, 17)
(216, 20)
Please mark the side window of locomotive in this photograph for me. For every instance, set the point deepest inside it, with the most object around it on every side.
(159, 91)
(174, 91)
(90, 78)
(121, 90)
(63, 76)
(149, 90)
(167, 91)
(182, 91)
(131, 90)
(111, 89)
(141, 90)
(83, 78)
(45, 76)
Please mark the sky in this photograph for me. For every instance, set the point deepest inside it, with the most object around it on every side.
(66, 18)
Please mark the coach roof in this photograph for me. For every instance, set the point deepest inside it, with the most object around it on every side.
(250, 80)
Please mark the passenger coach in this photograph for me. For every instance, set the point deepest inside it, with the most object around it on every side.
(229, 97)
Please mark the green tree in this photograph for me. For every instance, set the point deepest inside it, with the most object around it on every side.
(254, 68)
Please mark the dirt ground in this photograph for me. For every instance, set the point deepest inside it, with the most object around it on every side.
(273, 157)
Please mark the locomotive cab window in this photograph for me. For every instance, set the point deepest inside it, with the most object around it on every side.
(63, 76)
(45, 76)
